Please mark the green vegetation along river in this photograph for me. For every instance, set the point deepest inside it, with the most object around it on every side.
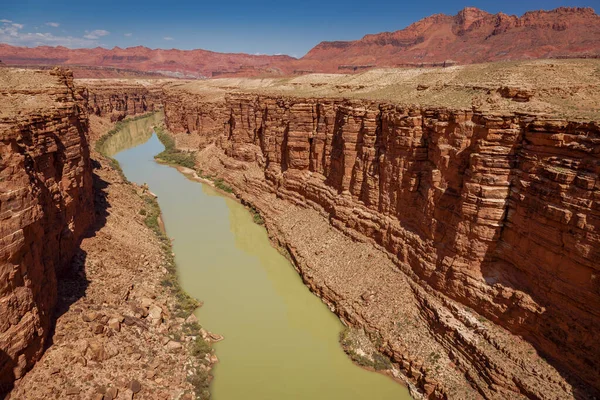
(281, 341)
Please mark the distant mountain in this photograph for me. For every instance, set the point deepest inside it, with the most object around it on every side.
(178, 63)
(471, 36)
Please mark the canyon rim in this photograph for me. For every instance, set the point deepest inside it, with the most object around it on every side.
(437, 187)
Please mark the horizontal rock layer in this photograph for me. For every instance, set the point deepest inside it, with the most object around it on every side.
(119, 100)
(46, 204)
(498, 212)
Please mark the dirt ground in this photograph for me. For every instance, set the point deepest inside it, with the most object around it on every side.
(564, 88)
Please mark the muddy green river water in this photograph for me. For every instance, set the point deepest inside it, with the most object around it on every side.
(281, 341)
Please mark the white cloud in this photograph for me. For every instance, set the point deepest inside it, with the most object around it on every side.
(53, 24)
(10, 29)
(96, 34)
(168, 38)
(13, 34)
(128, 34)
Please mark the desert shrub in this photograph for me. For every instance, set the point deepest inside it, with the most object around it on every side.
(381, 362)
(172, 155)
(220, 184)
(200, 381)
(200, 347)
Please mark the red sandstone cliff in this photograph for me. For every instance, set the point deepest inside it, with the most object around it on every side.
(118, 99)
(46, 204)
(494, 211)
(499, 212)
(471, 36)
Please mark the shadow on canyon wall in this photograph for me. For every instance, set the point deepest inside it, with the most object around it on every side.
(8, 364)
(72, 282)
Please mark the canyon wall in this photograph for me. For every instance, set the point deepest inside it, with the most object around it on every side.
(46, 204)
(119, 99)
(499, 212)
(192, 114)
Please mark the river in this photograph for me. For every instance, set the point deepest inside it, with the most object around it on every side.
(281, 341)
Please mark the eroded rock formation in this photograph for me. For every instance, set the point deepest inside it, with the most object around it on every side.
(118, 99)
(470, 36)
(403, 218)
(46, 204)
(499, 212)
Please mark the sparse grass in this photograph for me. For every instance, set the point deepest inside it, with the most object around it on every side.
(220, 184)
(256, 217)
(200, 381)
(185, 304)
(172, 155)
(348, 345)
(190, 328)
(201, 347)
(559, 83)
(203, 175)
(151, 212)
(360, 360)
(433, 356)
(378, 341)
(377, 361)
(381, 362)
(345, 338)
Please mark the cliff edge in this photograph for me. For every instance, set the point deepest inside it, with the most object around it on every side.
(46, 204)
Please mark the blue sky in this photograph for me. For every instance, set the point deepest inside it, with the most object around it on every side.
(255, 27)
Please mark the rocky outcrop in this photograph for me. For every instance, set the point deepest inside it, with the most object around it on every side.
(470, 36)
(194, 114)
(120, 98)
(496, 212)
(46, 204)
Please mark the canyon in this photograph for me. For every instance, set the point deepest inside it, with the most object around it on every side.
(452, 214)
(470, 36)
(477, 184)
(46, 205)
(84, 309)
(490, 216)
